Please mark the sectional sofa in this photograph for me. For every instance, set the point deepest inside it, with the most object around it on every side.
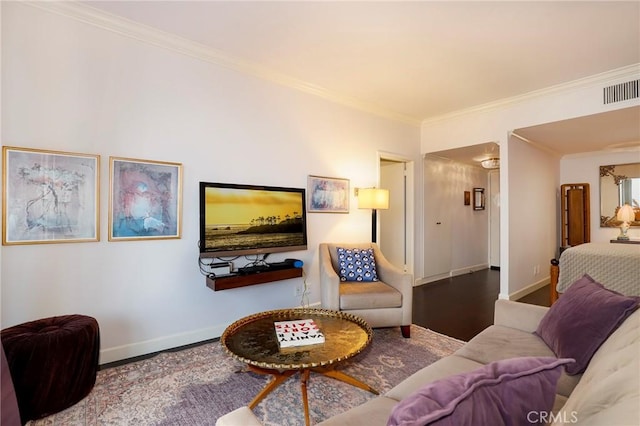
(607, 392)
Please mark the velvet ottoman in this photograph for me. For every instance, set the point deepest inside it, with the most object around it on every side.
(53, 362)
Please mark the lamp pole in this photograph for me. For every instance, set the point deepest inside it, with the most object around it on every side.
(374, 226)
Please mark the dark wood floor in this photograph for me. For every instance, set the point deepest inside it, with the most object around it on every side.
(463, 306)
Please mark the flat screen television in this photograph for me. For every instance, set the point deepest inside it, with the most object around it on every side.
(238, 220)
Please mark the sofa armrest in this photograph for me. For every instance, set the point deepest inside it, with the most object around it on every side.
(522, 316)
(242, 416)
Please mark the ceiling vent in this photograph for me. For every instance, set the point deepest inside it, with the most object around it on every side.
(621, 92)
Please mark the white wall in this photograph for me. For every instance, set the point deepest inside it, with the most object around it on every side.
(585, 168)
(532, 216)
(70, 86)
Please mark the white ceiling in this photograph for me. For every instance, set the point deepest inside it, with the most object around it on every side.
(418, 59)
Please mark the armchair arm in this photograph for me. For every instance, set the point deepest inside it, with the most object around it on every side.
(329, 280)
(398, 279)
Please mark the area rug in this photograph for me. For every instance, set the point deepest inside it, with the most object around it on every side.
(195, 386)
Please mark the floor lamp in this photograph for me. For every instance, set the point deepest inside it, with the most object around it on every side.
(374, 199)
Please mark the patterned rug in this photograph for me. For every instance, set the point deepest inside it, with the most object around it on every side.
(196, 386)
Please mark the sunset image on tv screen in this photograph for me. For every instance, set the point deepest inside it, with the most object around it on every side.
(239, 218)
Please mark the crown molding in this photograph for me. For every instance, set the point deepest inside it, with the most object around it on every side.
(630, 72)
(535, 144)
(633, 148)
(172, 42)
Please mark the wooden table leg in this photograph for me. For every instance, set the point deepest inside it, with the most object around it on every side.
(338, 375)
(304, 379)
(278, 378)
(281, 376)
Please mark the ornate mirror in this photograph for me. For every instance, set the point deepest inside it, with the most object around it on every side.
(619, 185)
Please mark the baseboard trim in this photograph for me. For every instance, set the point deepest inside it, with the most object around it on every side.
(453, 273)
(159, 344)
(528, 289)
(140, 350)
(469, 269)
(433, 278)
(151, 355)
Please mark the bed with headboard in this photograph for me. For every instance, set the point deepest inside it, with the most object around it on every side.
(616, 266)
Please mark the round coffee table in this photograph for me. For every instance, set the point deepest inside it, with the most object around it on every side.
(252, 340)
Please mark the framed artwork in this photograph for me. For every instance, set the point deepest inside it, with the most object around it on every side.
(467, 198)
(145, 199)
(328, 195)
(49, 196)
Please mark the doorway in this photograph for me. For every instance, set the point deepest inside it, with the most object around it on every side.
(459, 239)
(396, 224)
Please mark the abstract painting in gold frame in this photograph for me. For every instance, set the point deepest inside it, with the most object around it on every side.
(49, 196)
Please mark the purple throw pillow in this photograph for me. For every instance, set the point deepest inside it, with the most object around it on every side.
(582, 319)
(507, 392)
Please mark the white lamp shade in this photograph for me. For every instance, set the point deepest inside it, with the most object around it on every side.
(626, 213)
(373, 198)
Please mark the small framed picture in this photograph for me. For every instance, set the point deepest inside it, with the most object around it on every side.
(145, 199)
(327, 195)
(467, 198)
(49, 196)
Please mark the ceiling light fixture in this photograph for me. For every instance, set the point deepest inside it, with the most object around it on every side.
(490, 163)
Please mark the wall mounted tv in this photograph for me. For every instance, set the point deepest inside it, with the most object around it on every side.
(240, 220)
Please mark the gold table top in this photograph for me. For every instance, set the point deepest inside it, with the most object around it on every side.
(253, 339)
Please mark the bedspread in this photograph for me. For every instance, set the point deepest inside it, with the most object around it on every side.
(616, 266)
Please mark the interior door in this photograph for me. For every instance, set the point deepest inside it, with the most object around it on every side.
(437, 227)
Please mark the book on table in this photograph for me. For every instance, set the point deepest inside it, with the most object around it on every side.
(298, 333)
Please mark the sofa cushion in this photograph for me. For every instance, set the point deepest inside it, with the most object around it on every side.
(609, 392)
(356, 264)
(498, 342)
(502, 392)
(582, 319)
(368, 295)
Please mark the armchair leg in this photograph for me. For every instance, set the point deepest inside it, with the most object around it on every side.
(406, 331)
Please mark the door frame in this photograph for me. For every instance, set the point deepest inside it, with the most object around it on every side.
(409, 228)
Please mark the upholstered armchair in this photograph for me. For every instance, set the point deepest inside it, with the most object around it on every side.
(383, 303)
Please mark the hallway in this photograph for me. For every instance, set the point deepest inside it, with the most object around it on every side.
(463, 306)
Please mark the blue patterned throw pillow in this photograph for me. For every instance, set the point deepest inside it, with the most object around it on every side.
(357, 264)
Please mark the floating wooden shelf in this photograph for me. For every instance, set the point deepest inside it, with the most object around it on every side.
(235, 281)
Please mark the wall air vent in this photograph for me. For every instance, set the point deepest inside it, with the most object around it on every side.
(621, 92)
